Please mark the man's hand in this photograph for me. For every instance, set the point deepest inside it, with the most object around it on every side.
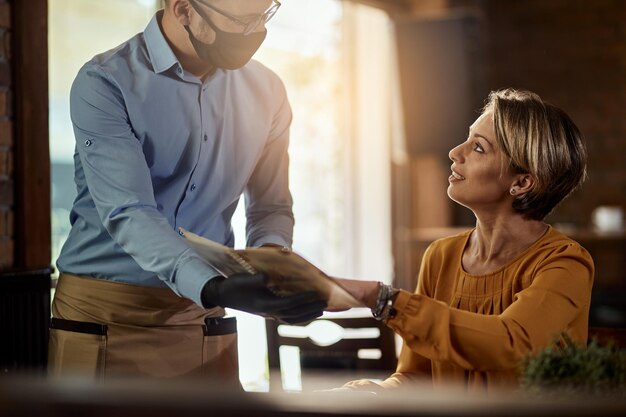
(250, 293)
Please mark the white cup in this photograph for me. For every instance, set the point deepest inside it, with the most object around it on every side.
(608, 218)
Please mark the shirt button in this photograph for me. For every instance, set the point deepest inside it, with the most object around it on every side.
(193, 187)
(206, 137)
(88, 142)
(179, 70)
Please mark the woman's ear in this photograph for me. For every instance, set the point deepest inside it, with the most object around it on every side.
(523, 183)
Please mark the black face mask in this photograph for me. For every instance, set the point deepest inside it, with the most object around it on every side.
(229, 50)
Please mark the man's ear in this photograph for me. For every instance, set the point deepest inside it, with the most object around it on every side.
(523, 184)
(180, 9)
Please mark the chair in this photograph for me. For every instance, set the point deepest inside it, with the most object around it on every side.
(338, 346)
(605, 335)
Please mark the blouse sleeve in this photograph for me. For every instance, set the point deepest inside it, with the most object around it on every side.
(413, 367)
(560, 292)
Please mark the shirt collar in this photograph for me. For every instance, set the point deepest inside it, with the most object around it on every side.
(161, 54)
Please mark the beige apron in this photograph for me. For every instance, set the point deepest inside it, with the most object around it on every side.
(109, 329)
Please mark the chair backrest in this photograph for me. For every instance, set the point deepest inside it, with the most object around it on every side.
(347, 345)
(604, 335)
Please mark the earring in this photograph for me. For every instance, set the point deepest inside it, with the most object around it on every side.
(513, 191)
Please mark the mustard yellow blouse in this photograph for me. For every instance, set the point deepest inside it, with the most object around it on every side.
(473, 330)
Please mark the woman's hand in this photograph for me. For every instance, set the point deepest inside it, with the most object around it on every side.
(364, 291)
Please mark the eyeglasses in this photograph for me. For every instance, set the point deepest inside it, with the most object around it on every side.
(247, 25)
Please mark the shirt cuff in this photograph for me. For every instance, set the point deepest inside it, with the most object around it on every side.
(273, 239)
(191, 276)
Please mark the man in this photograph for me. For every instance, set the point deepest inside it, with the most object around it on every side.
(171, 128)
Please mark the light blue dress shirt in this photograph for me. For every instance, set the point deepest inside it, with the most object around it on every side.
(157, 149)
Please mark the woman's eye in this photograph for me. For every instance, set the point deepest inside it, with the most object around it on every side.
(478, 148)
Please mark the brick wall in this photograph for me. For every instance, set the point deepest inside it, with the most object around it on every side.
(573, 54)
(6, 140)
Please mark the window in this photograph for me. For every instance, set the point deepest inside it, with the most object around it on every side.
(78, 30)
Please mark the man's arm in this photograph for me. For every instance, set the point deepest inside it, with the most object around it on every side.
(268, 200)
(119, 182)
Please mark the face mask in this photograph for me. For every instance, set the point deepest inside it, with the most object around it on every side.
(228, 50)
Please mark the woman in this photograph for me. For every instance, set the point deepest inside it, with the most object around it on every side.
(488, 297)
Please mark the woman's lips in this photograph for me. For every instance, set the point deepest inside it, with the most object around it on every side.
(456, 176)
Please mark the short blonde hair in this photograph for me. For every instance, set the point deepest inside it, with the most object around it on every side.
(542, 140)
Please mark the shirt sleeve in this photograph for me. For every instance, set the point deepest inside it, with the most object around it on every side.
(268, 199)
(119, 182)
(559, 293)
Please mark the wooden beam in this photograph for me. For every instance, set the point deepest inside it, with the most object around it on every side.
(392, 7)
(32, 156)
(400, 9)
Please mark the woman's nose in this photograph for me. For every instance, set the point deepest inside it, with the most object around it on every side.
(455, 153)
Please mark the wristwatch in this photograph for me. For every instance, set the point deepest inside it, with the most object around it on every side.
(384, 302)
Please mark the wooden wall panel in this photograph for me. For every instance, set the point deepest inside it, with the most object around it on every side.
(30, 122)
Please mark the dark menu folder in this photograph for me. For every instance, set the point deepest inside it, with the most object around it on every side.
(288, 273)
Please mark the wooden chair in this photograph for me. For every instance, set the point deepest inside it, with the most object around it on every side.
(342, 348)
(606, 334)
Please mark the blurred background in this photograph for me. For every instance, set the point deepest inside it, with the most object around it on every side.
(381, 90)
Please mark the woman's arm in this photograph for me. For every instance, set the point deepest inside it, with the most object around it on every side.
(559, 293)
(412, 367)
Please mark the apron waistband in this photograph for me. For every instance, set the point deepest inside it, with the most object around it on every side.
(102, 301)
